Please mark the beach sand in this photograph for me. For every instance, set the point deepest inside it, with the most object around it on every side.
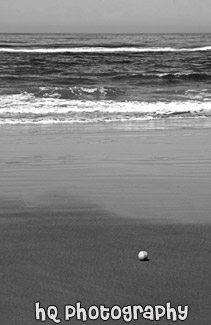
(79, 203)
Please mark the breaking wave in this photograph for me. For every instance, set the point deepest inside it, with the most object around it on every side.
(25, 108)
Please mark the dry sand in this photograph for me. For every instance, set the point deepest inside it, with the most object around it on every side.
(77, 205)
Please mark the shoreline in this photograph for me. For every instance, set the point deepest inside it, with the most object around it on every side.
(159, 173)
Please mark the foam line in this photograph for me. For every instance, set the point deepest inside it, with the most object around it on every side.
(103, 50)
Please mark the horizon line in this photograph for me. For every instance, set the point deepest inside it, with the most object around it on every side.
(108, 33)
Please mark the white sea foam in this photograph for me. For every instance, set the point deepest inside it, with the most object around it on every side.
(103, 49)
(25, 108)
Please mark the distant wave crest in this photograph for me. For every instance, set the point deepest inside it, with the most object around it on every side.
(102, 49)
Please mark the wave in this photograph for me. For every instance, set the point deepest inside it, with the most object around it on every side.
(177, 76)
(76, 92)
(192, 76)
(28, 109)
(65, 93)
(97, 49)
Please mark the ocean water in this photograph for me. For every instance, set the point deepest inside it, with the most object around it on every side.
(102, 78)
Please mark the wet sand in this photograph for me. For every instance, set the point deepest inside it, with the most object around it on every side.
(77, 205)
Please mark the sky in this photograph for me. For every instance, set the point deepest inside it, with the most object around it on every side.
(105, 16)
